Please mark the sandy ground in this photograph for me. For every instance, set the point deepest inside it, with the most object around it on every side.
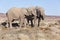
(49, 30)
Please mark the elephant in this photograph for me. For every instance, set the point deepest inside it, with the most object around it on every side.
(16, 13)
(30, 14)
(38, 13)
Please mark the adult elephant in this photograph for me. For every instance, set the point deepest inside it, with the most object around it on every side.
(38, 13)
(16, 13)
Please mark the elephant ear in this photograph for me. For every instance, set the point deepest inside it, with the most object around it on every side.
(43, 12)
(41, 9)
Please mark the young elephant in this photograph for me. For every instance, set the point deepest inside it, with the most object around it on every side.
(38, 13)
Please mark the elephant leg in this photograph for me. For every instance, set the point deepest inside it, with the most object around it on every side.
(21, 22)
(27, 22)
(32, 23)
(10, 24)
(35, 21)
(38, 22)
(7, 24)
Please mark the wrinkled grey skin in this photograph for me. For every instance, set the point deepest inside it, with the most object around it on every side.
(38, 13)
(16, 13)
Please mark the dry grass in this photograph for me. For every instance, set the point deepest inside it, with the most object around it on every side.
(48, 30)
